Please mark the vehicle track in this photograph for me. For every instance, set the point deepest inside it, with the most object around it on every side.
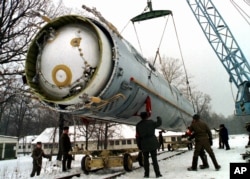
(117, 174)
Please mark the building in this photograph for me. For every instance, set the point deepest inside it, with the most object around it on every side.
(123, 138)
(8, 147)
(50, 137)
(25, 144)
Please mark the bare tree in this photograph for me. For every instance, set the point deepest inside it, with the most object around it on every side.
(202, 104)
(110, 130)
(87, 128)
(173, 71)
(101, 131)
(15, 114)
(19, 21)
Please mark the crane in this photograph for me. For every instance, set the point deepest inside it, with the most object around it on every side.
(227, 50)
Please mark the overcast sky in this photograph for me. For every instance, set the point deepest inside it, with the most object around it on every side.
(208, 74)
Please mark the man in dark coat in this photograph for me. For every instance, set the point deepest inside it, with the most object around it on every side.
(203, 139)
(37, 155)
(66, 148)
(147, 142)
(221, 144)
(161, 141)
(224, 136)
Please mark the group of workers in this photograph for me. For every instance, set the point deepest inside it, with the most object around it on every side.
(65, 146)
(148, 143)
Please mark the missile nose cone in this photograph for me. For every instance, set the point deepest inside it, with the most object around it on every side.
(71, 57)
(65, 57)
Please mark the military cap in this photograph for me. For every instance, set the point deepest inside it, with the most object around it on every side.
(144, 115)
(196, 117)
(66, 128)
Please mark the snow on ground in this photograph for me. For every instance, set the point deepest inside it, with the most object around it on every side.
(174, 167)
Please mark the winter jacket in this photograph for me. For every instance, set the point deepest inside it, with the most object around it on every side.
(65, 143)
(224, 134)
(145, 134)
(201, 130)
(37, 155)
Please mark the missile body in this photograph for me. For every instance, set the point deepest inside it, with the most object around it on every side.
(81, 66)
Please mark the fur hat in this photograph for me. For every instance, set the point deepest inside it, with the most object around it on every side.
(144, 115)
(196, 117)
(66, 128)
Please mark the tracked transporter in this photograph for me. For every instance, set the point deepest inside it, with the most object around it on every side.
(85, 67)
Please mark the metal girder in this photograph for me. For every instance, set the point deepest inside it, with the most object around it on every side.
(222, 40)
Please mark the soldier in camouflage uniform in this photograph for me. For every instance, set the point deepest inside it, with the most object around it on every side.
(37, 155)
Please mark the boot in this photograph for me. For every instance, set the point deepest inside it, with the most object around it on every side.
(194, 164)
(216, 165)
(69, 161)
(204, 161)
(64, 166)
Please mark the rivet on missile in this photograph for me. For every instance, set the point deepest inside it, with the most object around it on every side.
(61, 75)
(75, 42)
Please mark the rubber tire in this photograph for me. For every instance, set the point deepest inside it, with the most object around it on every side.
(84, 164)
(127, 162)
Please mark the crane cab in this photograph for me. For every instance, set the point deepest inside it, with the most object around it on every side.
(242, 104)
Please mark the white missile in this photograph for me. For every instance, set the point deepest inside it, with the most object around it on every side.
(79, 65)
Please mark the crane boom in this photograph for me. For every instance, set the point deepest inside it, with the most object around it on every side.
(222, 40)
(226, 48)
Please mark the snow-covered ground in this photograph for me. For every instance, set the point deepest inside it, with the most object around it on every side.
(174, 167)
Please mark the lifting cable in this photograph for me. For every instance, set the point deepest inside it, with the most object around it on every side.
(158, 49)
(137, 37)
(241, 11)
(187, 82)
(155, 14)
(247, 2)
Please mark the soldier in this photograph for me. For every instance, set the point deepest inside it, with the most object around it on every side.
(161, 140)
(37, 155)
(66, 148)
(203, 139)
(147, 142)
(203, 156)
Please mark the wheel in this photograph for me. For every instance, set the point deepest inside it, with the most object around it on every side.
(140, 159)
(127, 162)
(85, 164)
